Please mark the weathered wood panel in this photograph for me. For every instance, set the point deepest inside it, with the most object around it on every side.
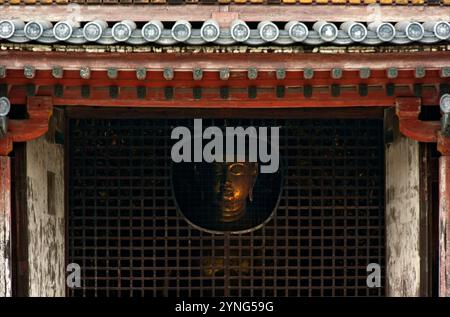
(5, 226)
(402, 212)
(45, 229)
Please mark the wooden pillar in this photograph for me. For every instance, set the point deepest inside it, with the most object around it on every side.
(444, 225)
(444, 216)
(45, 215)
(5, 226)
(430, 131)
(403, 227)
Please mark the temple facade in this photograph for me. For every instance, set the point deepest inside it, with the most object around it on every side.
(355, 94)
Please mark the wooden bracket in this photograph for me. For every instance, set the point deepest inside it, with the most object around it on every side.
(408, 110)
(39, 110)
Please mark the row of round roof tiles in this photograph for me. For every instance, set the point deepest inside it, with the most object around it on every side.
(126, 31)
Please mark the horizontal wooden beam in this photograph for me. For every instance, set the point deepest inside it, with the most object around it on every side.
(245, 12)
(265, 113)
(155, 81)
(211, 99)
(256, 103)
(215, 61)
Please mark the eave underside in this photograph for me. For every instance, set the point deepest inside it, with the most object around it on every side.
(225, 80)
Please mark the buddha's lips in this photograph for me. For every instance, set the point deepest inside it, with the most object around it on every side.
(232, 215)
(232, 206)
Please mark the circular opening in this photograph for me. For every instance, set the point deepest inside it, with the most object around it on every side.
(226, 197)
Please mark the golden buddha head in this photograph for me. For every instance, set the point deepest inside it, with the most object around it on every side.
(233, 186)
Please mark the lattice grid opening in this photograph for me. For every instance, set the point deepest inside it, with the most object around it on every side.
(127, 236)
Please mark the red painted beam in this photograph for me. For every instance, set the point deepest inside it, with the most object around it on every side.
(238, 98)
(227, 104)
(211, 79)
(238, 101)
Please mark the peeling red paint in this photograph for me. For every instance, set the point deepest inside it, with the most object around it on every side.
(39, 111)
(408, 110)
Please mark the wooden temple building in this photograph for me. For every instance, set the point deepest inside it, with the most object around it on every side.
(90, 90)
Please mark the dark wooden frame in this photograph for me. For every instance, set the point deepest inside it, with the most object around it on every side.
(19, 220)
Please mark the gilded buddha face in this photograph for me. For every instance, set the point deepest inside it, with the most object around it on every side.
(233, 185)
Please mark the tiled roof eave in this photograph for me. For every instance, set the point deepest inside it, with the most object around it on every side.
(97, 25)
(101, 34)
